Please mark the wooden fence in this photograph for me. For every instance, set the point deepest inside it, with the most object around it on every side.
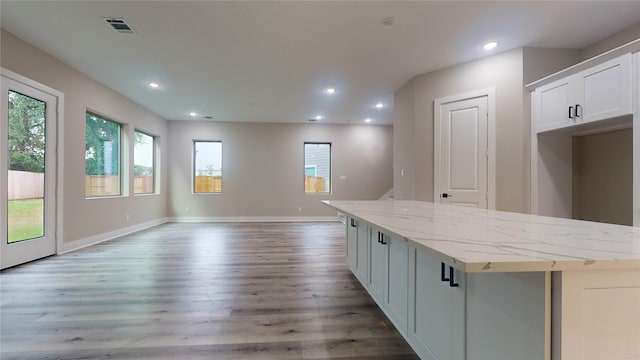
(143, 184)
(109, 185)
(101, 185)
(313, 184)
(208, 184)
(25, 185)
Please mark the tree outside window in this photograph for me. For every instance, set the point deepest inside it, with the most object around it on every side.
(102, 156)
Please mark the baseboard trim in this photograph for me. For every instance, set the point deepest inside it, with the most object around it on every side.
(252, 219)
(96, 239)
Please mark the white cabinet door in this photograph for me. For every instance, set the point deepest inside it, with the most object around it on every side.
(552, 105)
(397, 281)
(362, 258)
(601, 92)
(377, 257)
(604, 91)
(436, 309)
(352, 242)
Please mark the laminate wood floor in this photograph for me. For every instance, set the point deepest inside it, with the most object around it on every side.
(197, 291)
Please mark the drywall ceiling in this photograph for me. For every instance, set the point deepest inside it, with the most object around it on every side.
(270, 61)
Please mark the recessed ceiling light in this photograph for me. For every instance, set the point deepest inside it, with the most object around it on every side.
(318, 117)
(379, 105)
(330, 90)
(154, 85)
(367, 120)
(490, 45)
(193, 114)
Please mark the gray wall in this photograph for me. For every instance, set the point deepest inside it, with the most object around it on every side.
(603, 177)
(263, 166)
(611, 42)
(83, 217)
(502, 71)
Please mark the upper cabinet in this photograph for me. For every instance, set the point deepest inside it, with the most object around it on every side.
(601, 92)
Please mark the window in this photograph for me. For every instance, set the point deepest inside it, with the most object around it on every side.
(207, 165)
(102, 156)
(317, 168)
(143, 163)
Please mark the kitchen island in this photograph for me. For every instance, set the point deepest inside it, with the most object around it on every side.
(463, 283)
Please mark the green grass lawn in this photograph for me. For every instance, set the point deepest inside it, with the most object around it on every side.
(25, 219)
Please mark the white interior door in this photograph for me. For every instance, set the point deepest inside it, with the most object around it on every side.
(27, 173)
(462, 152)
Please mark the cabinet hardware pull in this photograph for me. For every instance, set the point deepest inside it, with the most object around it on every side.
(452, 283)
(382, 240)
(443, 278)
(379, 237)
(577, 110)
(570, 112)
(353, 222)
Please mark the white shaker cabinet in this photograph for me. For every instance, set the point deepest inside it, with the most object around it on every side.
(457, 315)
(357, 247)
(436, 308)
(604, 91)
(600, 92)
(551, 105)
(389, 275)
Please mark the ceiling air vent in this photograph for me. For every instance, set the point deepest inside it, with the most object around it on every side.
(119, 25)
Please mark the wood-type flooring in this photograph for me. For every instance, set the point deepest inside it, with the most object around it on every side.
(197, 291)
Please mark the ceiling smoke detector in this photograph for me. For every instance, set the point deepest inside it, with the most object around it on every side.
(119, 25)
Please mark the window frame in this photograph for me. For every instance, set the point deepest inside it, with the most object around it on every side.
(153, 162)
(194, 167)
(329, 191)
(121, 140)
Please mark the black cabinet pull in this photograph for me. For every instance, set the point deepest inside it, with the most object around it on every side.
(452, 283)
(353, 222)
(381, 238)
(449, 279)
(570, 112)
(577, 110)
(443, 277)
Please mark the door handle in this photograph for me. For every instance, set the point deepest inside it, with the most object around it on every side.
(577, 113)
(353, 222)
(570, 112)
(445, 195)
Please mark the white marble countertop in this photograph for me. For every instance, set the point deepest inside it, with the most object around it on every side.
(478, 240)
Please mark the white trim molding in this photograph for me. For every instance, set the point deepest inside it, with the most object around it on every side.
(96, 239)
(252, 219)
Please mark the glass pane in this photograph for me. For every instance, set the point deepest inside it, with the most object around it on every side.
(102, 157)
(143, 159)
(317, 168)
(26, 148)
(208, 167)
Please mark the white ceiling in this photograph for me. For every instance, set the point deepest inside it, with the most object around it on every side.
(270, 61)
